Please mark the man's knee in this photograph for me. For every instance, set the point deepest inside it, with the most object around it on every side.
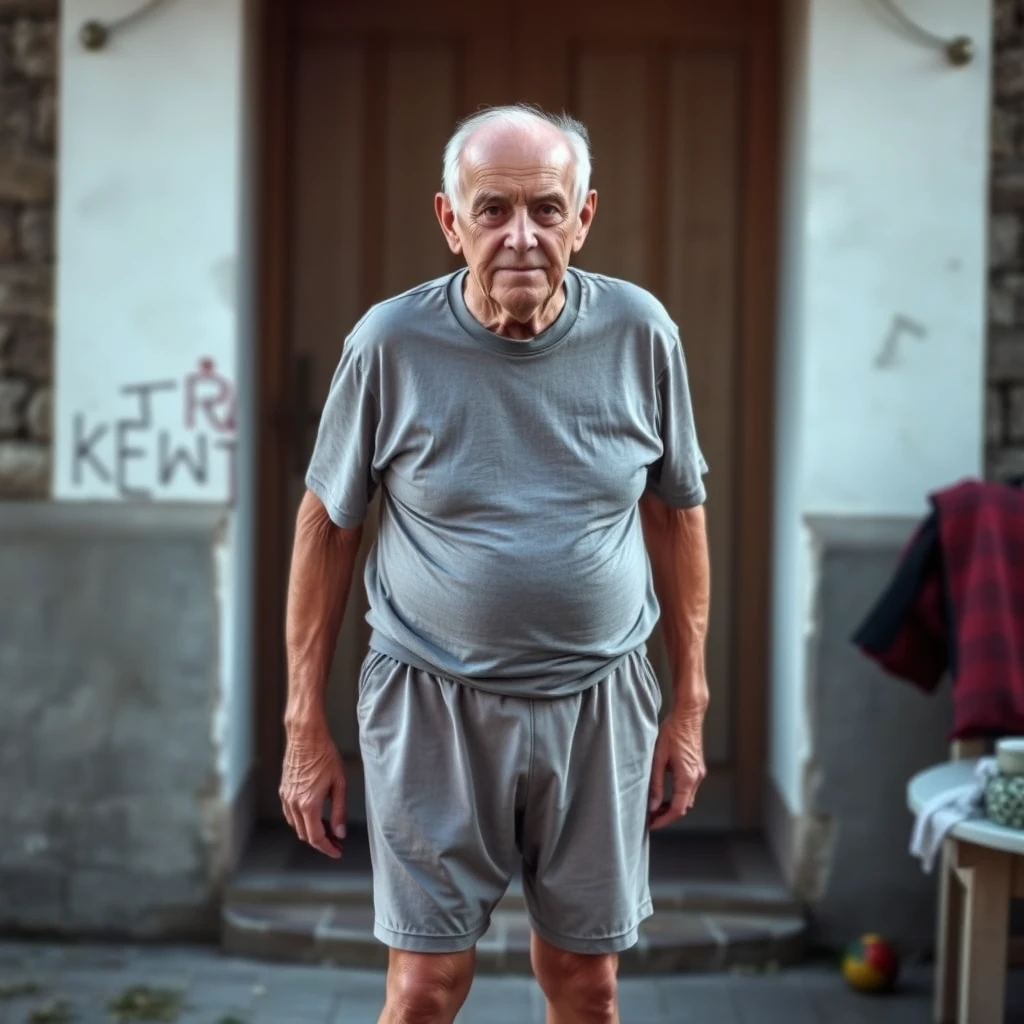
(427, 988)
(584, 984)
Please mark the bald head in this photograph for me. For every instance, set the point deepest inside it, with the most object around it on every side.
(519, 132)
(500, 151)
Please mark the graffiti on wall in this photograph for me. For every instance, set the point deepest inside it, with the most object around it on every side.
(174, 435)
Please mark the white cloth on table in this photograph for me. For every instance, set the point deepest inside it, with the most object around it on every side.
(946, 810)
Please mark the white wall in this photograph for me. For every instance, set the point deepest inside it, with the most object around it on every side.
(150, 144)
(884, 237)
(155, 278)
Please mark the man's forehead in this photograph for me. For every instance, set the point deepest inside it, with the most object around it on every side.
(498, 151)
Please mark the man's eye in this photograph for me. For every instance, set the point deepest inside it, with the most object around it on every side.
(491, 211)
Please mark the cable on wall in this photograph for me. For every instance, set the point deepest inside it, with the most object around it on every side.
(959, 50)
(94, 35)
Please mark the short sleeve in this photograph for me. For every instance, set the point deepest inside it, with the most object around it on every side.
(677, 477)
(341, 470)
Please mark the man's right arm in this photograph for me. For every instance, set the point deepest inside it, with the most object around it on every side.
(323, 561)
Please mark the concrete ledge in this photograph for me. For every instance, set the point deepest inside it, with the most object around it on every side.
(124, 521)
(860, 533)
(868, 734)
(109, 661)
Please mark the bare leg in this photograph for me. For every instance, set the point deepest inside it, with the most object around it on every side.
(427, 988)
(579, 988)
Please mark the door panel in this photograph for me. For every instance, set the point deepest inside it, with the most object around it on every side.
(663, 126)
(374, 98)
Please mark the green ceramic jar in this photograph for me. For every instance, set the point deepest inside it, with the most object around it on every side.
(1004, 800)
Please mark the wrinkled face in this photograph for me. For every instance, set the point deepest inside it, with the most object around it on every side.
(517, 223)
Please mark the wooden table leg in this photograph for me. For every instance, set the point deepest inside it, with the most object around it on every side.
(987, 876)
(947, 939)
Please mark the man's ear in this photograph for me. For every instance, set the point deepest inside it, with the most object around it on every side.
(586, 218)
(446, 218)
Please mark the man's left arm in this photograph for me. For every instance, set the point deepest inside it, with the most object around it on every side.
(676, 540)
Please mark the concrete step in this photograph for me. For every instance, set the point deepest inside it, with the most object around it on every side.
(672, 941)
(308, 909)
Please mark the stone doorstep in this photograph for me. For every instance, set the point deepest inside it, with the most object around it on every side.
(354, 890)
(671, 942)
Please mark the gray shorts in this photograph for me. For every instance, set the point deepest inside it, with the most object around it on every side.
(464, 786)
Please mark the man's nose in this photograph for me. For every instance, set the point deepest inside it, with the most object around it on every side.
(521, 235)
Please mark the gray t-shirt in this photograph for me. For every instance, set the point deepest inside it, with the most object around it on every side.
(509, 554)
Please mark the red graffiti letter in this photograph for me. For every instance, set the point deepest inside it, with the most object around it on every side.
(212, 393)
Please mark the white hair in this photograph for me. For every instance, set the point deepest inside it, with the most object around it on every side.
(518, 115)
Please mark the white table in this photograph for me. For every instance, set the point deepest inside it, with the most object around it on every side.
(982, 870)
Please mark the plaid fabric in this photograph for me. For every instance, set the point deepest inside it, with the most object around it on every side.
(956, 604)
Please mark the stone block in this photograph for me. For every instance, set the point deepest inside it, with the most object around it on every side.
(1006, 356)
(27, 351)
(26, 178)
(26, 291)
(6, 57)
(34, 46)
(13, 393)
(39, 415)
(24, 469)
(1006, 299)
(1002, 305)
(995, 416)
(1009, 73)
(1005, 233)
(17, 117)
(35, 234)
(29, 8)
(1004, 463)
(1007, 189)
(1006, 19)
(44, 119)
(1015, 414)
(1005, 133)
(8, 234)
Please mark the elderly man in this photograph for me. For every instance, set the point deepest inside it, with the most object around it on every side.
(529, 427)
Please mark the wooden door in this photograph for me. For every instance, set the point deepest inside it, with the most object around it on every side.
(373, 92)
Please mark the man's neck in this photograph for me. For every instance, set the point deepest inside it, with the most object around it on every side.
(502, 323)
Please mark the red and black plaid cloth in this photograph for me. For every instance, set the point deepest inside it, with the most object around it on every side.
(956, 604)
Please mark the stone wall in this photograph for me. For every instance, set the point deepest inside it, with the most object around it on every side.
(28, 131)
(1005, 405)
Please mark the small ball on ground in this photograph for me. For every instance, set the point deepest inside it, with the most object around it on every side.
(870, 964)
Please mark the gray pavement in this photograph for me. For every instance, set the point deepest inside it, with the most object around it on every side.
(197, 986)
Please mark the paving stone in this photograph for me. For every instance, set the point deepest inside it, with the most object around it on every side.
(224, 996)
(498, 1001)
(812, 994)
(762, 1002)
(356, 1010)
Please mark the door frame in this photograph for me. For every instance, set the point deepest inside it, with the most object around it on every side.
(759, 33)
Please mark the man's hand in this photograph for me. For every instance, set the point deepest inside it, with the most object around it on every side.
(314, 772)
(679, 749)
